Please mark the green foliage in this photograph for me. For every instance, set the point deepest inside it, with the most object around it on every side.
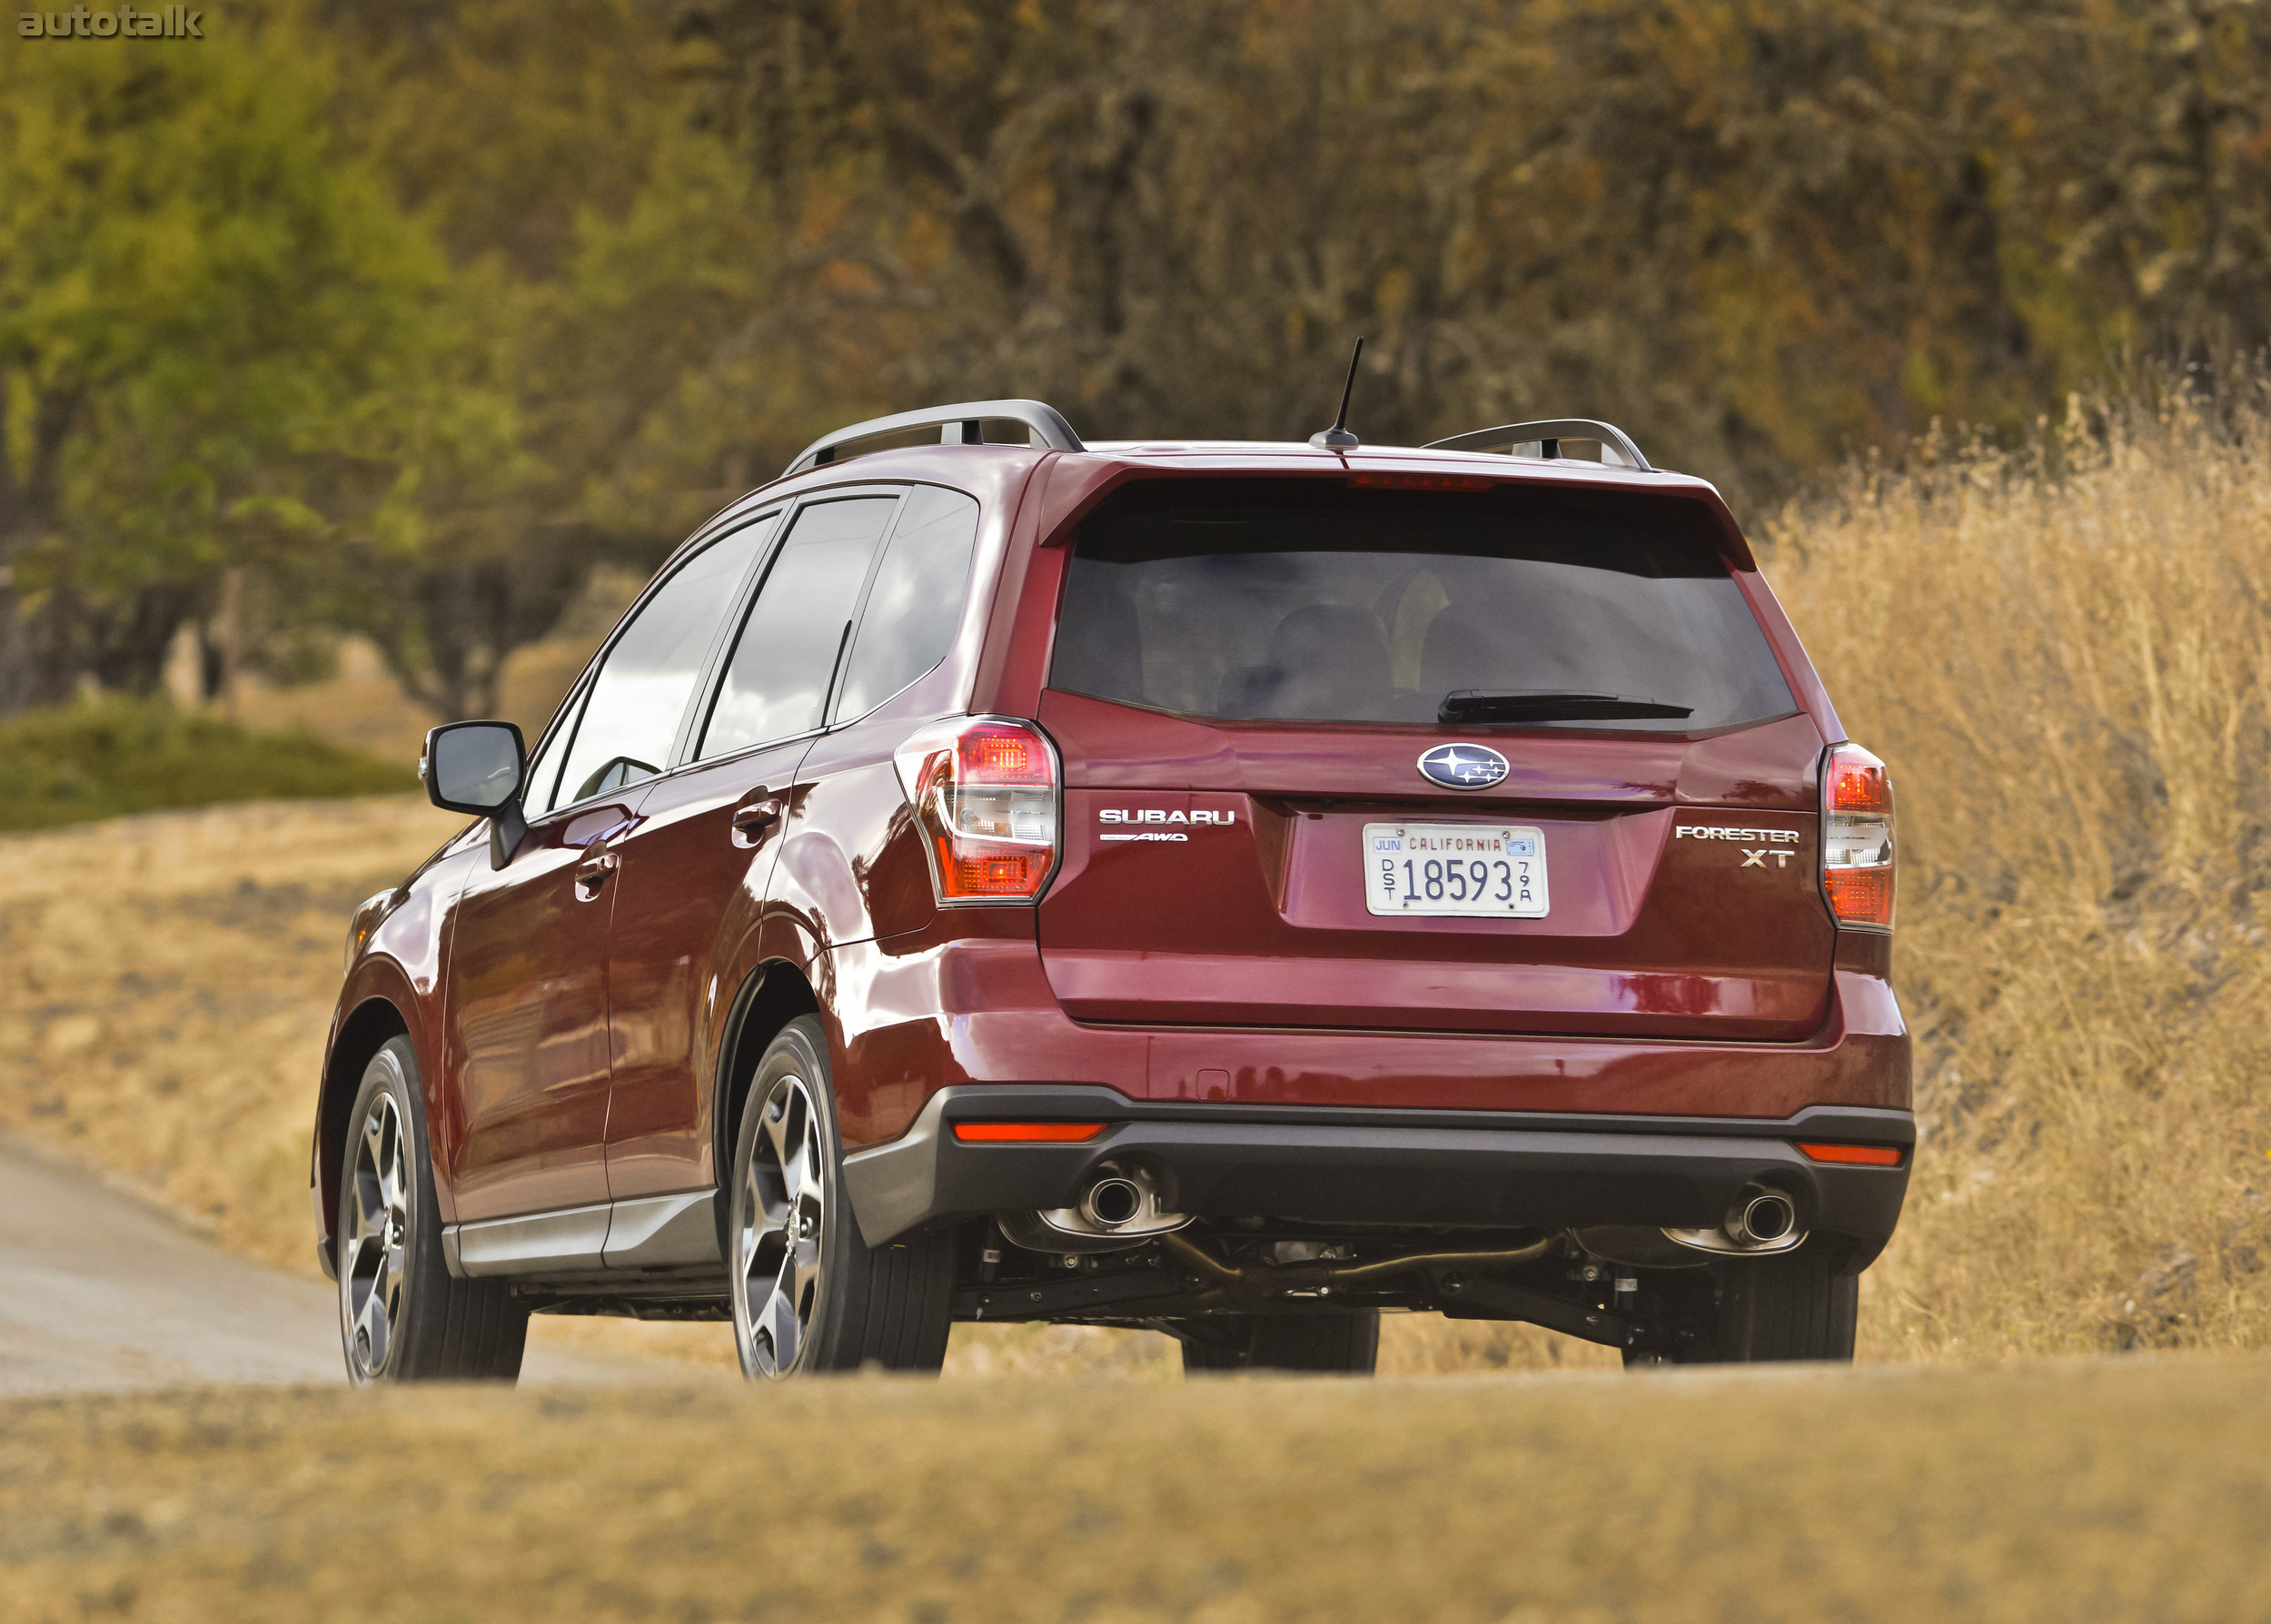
(74, 763)
(218, 337)
(609, 264)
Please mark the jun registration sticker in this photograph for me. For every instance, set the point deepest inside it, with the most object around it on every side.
(1473, 870)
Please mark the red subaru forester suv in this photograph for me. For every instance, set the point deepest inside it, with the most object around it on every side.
(1231, 889)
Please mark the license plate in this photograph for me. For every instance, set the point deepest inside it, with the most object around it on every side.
(1473, 870)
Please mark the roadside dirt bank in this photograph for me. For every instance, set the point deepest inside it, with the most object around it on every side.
(2128, 1490)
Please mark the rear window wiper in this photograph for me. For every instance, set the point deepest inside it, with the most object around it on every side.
(1477, 704)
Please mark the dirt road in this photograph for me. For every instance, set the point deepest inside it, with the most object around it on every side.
(101, 1293)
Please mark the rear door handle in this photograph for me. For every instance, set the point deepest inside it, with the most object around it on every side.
(753, 822)
(591, 874)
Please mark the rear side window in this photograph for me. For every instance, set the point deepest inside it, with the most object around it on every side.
(776, 685)
(1315, 602)
(914, 607)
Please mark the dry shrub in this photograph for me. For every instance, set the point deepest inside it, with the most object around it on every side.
(2063, 654)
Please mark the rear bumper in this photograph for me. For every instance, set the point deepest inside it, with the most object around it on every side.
(1501, 1168)
(924, 1011)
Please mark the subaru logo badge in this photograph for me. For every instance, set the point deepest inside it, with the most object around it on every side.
(1463, 766)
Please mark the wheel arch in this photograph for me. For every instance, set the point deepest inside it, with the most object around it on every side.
(775, 993)
(369, 1027)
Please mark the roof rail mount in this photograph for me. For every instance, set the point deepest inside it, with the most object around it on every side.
(1546, 435)
(959, 424)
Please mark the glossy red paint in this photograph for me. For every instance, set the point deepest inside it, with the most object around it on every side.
(1257, 917)
(915, 1013)
(854, 865)
(689, 902)
(394, 986)
(524, 1052)
(573, 1050)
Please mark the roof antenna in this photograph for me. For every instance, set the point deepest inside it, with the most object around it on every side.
(1338, 437)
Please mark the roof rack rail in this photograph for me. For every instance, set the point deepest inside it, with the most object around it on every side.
(961, 424)
(1547, 435)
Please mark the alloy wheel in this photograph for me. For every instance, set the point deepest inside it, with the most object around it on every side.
(377, 1234)
(781, 1229)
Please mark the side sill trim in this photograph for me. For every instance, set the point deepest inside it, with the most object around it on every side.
(574, 1237)
(651, 1232)
(664, 1232)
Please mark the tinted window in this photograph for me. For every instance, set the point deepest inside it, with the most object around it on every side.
(1512, 607)
(777, 681)
(639, 696)
(915, 608)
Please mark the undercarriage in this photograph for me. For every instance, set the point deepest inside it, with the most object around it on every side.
(1240, 1268)
(1583, 1284)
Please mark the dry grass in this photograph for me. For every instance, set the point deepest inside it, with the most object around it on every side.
(2065, 658)
(2044, 1491)
(166, 984)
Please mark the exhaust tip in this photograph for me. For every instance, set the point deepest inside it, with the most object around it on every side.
(1761, 1222)
(1762, 1219)
(1113, 1202)
(1121, 1205)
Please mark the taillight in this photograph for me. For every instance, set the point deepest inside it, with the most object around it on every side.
(985, 790)
(1857, 839)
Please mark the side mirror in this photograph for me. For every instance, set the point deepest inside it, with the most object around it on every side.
(478, 768)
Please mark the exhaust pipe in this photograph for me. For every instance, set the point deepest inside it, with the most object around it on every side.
(1114, 1202)
(1762, 1219)
(1118, 1207)
(1762, 1223)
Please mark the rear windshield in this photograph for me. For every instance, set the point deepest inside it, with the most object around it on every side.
(1514, 608)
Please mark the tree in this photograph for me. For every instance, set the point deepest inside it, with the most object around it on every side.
(211, 345)
(605, 253)
(1761, 235)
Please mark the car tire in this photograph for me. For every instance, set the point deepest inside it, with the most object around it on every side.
(1795, 1307)
(809, 1294)
(1344, 1344)
(401, 1316)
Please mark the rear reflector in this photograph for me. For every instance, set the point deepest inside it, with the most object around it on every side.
(1863, 1155)
(1026, 1132)
(1857, 846)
